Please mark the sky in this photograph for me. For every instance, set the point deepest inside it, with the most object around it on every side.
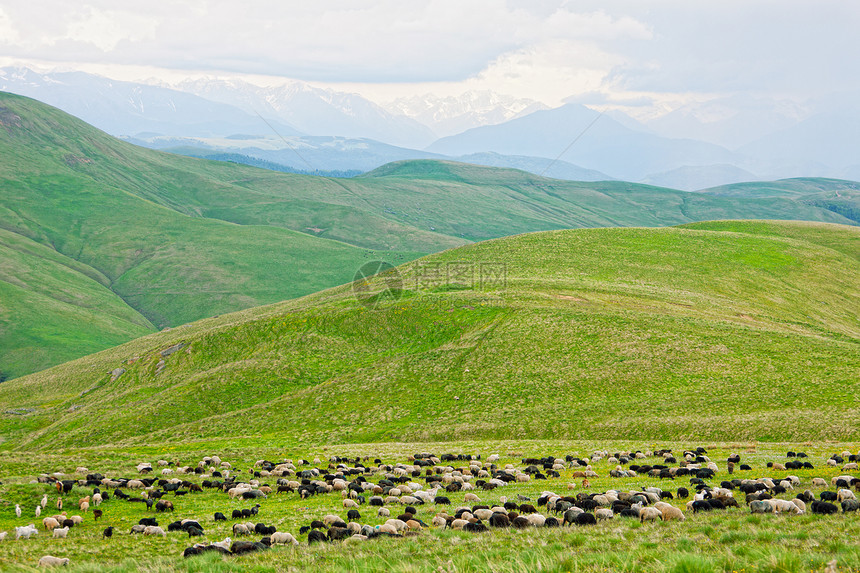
(649, 54)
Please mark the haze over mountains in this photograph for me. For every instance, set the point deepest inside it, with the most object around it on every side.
(726, 140)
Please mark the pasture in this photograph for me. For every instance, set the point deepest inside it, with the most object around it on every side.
(722, 540)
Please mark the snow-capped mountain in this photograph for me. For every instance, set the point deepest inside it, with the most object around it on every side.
(455, 114)
(315, 111)
(128, 108)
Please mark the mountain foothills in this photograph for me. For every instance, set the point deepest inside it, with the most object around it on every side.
(104, 241)
(724, 331)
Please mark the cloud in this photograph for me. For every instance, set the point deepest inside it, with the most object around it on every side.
(8, 32)
(104, 29)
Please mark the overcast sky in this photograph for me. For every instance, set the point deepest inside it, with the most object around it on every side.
(639, 52)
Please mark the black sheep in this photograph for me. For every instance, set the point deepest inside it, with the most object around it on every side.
(220, 516)
(683, 493)
(353, 515)
(108, 532)
(701, 505)
(499, 520)
(586, 518)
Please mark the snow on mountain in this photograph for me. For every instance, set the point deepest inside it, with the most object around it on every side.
(315, 111)
(455, 114)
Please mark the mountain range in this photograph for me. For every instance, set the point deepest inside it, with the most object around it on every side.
(723, 141)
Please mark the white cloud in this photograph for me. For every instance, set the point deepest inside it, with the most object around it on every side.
(670, 51)
(8, 32)
(106, 28)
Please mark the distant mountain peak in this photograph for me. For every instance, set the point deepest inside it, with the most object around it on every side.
(447, 115)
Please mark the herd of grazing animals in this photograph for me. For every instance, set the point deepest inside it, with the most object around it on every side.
(378, 489)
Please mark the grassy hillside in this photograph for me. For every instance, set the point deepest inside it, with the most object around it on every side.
(836, 195)
(171, 239)
(722, 331)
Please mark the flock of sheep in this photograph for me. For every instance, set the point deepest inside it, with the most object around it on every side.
(425, 480)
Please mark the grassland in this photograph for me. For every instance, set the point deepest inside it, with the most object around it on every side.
(727, 541)
(175, 239)
(719, 331)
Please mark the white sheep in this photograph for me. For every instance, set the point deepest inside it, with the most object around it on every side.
(25, 531)
(383, 512)
(603, 513)
(154, 530)
(44, 501)
(61, 532)
(50, 523)
(283, 538)
(649, 514)
(17, 510)
(51, 561)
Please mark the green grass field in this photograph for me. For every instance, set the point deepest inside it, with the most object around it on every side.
(161, 240)
(729, 541)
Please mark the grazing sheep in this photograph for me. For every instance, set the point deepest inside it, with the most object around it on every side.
(85, 506)
(51, 561)
(137, 528)
(649, 514)
(50, 523)
(60, 532)
(603, 514)
(761, 506)
(25, 532)
(17, 510)
(240, 529)
(44, 501)
(850, 505)
(672, 513)
(154, 530)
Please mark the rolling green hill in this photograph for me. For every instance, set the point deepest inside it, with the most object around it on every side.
(719, 331)
(117, 240)
(836, 195)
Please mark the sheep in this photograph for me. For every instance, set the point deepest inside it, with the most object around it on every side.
(603, 514)
(25, 531)
(850, 505)
(97, 499)
(137, 528)
(154, 530)
(783, 506)
(672, 513)
(843, 494)
(17, 510)
(240, 529)
(649, 514)
(50, 523)
(818, 482)
(85, 506)
(44, 501)
(761, 506)
(60, 532)
(51, 561)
